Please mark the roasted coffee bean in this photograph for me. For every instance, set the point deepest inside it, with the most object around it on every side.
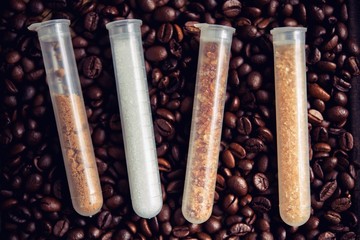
(347, 181)
(104, 219)
(346, 141)
(180, 231)
(238, 185)
(165, 32)
(328, 190)
(261, 182)
(326, 235)
(231, 8)
(239, 229)
(228, 159)
(341, 204)
(156, 54)
(237, 150)
(92, 67)
(60, 228)
(230, 204)
(50, 204)
(76, 234)
(244, 126)
(337, 113)
(164, 14)
(353, 47)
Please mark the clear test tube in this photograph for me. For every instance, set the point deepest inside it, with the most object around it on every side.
(292, 124)
(207, 120)
(135, 114)
(71, 120)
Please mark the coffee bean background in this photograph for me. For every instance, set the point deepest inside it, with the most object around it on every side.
(34, 197)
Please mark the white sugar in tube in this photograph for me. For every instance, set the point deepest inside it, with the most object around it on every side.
(136, 120)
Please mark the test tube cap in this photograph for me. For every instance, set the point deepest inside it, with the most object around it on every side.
(51, 28)
(215, 32)
(124, 26)
(288, 34)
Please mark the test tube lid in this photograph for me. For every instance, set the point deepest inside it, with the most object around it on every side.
(215, 32)
(51, 28)
(288, 34)
(124, 26)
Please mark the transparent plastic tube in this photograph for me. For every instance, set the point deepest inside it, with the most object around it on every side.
(206, 126)
(135, 114)
(70, 115)
(292, 125)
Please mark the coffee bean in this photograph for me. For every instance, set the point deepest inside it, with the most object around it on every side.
(347, 181)
(104, 219)
(164, 14)
(164, 127)
(237, 150)
(230, 204)
(92, 67)
(156, 54)
(165, 32)
(33, 183)
(180, 231)
(239, 229)
(341, 204)
(317, 92)
(261, 182)
(254, 80)
(231, 8)
(244, 125)
(352, 47)
(91, 21)
(212, 225)
(326, 66)
(326, 236)
(337, 113)
(346, 141)
(328, 190)
(60, 228)
(238, 185)
(50, 204)
(228, 159)
(76, 234)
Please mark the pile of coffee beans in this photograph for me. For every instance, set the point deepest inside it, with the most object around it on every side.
(34, 196)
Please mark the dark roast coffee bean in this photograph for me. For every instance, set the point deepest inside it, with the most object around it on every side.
(326, 236)
(346, 141)
(341, 204)
(104, 219)
(164, 14)
(92, 67)
(91, 21)
(337, 114)
(238, 185)
(231, 8)
(60, 228)
(239, 229)
(156, 54)
(261, 182)
(165, 32)
(50, 204)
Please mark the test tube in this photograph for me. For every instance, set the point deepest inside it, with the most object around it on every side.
(207, 120)
(292, 124)
(71, 120)
(135, 115)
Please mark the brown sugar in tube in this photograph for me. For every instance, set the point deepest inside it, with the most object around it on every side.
(78, 154)
(205, 136)
(292, 125)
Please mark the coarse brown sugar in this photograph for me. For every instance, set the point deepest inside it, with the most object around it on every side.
(207, 125)
(78, 154)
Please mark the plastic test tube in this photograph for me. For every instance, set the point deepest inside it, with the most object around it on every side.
(292, 124)
(135, 114)
(70, 115)
(207, 120)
